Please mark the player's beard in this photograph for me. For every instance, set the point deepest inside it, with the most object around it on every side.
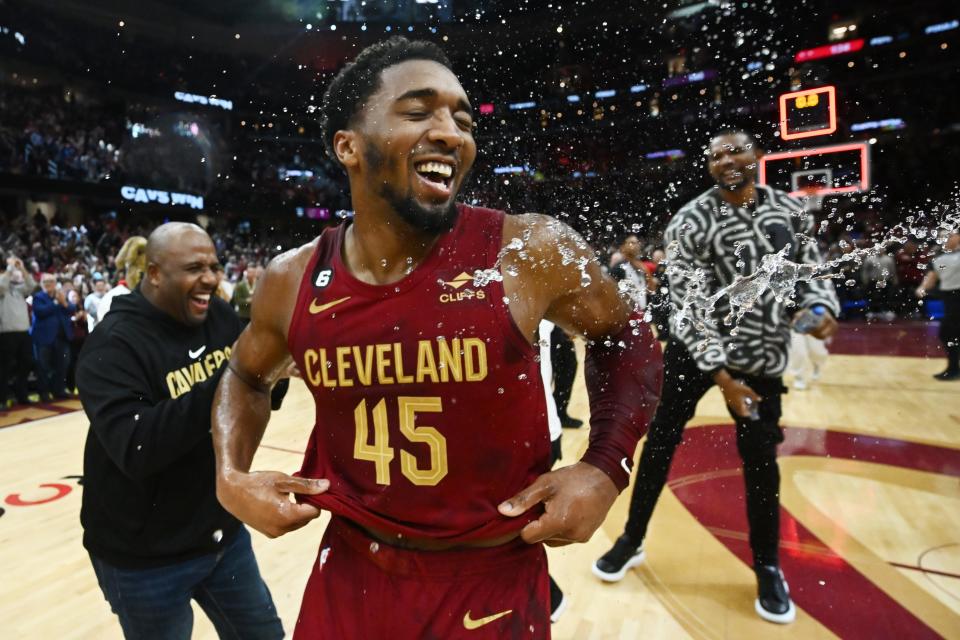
(434, 220)
(747, 177)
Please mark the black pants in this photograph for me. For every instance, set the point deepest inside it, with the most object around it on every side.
(16, 359)
(563, 358)
(683, 386)
(950, 328)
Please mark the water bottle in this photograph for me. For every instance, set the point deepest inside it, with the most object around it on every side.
(809, 319)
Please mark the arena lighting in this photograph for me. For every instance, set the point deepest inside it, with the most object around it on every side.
(863, 183)
(696, 76)
(138, 129)
(19, 37)
(510, 169)
(668, 153)
(158, 196)
(888, 124)
(807, 99)
(204, 100)
(486, 108)
(573, 98)
(940, 27)
(516, 106)
(605, 93)
(829, 50)
(753, 66)
(879, 40)
(638, 88)
(285, 173)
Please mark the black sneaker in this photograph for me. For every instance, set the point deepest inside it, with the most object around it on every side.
(570, 423)
(947, 375)
(773, 595)
(614, 564)
(558, 601)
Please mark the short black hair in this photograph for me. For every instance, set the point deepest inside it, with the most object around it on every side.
(623, 236)
(360, 79)
(733, 131)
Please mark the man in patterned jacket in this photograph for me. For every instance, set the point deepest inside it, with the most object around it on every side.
(717, 237)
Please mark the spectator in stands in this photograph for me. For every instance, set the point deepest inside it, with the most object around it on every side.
(243, 293)
(16, 349)
(52, 331)
(631, 270)
(659, 302)
(92, 302)
(878, 275)
(132, 260)
(80, 332)
(910, 271)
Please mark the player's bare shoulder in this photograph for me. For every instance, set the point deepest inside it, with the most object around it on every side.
(548, 252)
(276, 293)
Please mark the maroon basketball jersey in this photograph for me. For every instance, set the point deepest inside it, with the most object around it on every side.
(430, 410)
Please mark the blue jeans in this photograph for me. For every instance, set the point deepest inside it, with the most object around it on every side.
(154, 604)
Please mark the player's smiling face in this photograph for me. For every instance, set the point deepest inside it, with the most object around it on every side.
(417, 142)
(732, 161)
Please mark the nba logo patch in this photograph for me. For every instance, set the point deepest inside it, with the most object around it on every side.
(324, 554)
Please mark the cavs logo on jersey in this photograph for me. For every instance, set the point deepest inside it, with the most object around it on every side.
(458, 295)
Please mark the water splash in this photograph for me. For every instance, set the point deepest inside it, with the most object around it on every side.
(779, 275)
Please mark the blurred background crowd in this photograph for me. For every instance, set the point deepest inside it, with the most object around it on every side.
(116, 119)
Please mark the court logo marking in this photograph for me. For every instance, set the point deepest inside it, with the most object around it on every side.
(470, 624)
(320, 308)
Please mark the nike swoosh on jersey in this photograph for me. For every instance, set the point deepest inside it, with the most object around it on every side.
(470, 624)
(196, 354)
(626, 465)
(320, 308)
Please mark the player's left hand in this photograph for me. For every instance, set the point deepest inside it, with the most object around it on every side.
(827, 328)
(575, 502)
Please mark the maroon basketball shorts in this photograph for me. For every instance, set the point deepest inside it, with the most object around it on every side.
(360, 588)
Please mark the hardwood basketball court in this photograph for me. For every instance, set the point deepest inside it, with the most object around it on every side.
(870, 521)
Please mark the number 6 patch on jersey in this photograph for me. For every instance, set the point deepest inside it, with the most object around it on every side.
(323, 278)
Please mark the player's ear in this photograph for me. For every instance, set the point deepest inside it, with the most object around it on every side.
(345, 145)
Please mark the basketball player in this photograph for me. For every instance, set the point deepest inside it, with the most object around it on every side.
(413, 327)
(156, 535)
(724, 233)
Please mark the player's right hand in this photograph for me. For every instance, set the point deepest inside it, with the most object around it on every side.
(263, 500)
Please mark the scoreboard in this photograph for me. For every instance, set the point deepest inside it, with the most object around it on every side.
(808, 113)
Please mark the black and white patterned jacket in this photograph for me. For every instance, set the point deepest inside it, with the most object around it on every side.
(724, 242)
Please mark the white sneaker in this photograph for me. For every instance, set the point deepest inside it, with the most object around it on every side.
(799, 384)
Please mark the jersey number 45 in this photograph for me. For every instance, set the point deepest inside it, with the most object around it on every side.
(381, 454)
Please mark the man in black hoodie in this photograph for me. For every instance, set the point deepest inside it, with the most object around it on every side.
(156, 534)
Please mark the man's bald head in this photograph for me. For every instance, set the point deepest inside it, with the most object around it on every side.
(183, 271)
(170, 235)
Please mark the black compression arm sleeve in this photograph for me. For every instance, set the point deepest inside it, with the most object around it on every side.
(624, 376)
